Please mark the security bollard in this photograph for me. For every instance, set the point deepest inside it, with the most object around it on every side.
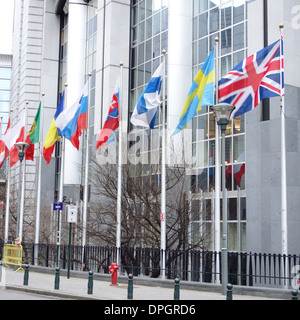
(177, 289)
(130, 287)
(229, 292)
(26, 275)
(56, 282)
(295, 295)
(90, 283)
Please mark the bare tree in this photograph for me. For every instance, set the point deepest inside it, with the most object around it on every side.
(141, 201)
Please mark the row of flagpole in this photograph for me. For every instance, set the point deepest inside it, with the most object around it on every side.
(163, 175)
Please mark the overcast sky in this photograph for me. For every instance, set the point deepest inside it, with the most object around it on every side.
(6, 26)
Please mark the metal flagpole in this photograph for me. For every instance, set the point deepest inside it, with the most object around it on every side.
(61, 190)
(217, 174)
(38, 204)
(7, 205)
(119, 192)
(23, 182)
(284, 226)
(86, 177)
(163, 175)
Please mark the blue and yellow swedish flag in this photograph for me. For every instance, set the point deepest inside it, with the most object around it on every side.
(201, 93)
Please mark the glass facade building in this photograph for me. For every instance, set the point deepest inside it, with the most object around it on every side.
(226, 20)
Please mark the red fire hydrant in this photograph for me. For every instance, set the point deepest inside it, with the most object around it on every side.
(113, 269)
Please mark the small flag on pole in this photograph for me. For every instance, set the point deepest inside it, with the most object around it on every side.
(73, 120)
(54, 133)
(34, 134)
(106, 135)
(144, 114)
(201, 93)
(254, 79)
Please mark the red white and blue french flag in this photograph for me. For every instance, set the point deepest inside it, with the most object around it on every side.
(258, 77)
(111, 124)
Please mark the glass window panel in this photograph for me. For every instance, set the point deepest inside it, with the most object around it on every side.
(141, 72)
(203, 5)
(156, 24)
(156, 47)
(4, 106)
(232, 209)
(239, 176)
(203, 24)
(164, 20)
(195, 7)
(148, 72)
(4, 84)
(239, 149)
(149, 28)
(134, 35)
(5, 73)
(202, 180)
(4, 95)
(141, 51)
(238, 57)
(238, 37)
(195, 53)
(134, 78)
(226, 16)
(141, 28)
(226, 41)
(232, 237)
(243, 237)
(226, 65)
(212, 126)
(195, 210)
(149, 50)
(214, 20)
(148, 8)
(195, 28)
(203, 50)
(238, 11)
(195, 232)
(142, 12)
(228, 150)
(164, 45)
(243, 213)
(212, 151)
(134, 15)
(202, 128)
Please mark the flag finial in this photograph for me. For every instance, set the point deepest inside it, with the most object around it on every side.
(281, 26)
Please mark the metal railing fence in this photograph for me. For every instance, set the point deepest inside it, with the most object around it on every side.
(245, 269)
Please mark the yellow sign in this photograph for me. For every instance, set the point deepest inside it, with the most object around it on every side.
(12, 255)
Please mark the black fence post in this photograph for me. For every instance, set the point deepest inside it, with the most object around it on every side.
(295, 295)
(56, 282)
(90, 283)
(229, 292)
(130, 287)
(177, 289)
(26, 275)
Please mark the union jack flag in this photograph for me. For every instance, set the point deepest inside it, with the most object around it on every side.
(257, 77)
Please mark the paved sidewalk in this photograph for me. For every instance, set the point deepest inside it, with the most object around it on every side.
(76, 288)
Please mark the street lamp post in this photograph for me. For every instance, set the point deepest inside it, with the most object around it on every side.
(22, 147)
(222, 113)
